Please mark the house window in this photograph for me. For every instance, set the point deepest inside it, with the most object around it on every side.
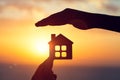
(57, 54)
(57, 48)
(60, 51)
(64, 54)
(64, 48)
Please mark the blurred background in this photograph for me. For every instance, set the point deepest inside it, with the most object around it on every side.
(23, 46)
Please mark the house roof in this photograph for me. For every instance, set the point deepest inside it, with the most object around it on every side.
(60, 39)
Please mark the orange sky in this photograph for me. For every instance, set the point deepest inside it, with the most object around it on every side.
(21, 41)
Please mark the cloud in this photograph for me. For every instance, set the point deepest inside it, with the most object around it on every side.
(75, 1)
(97, 6)
(17, 9)
(108, 5)
(28, 8)
(20, 4)
(112, 6)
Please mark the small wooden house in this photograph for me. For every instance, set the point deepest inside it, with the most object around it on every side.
(60, 47)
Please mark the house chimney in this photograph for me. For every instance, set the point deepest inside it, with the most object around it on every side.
(52, 36)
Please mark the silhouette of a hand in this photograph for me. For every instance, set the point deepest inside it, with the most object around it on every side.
(44, 71)
(67, 16)
(82, 20)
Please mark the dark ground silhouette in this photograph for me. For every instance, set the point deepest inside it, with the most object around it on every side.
(82, 20)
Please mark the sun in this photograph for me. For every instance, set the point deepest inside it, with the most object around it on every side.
(41, 47)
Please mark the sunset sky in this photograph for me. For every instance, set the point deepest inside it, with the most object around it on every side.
(23, 43)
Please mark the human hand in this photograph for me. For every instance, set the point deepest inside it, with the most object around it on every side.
(82, 20)
(44, 71)
(67, 16)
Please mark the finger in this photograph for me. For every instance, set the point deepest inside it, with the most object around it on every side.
(41, 23)
(59, 18)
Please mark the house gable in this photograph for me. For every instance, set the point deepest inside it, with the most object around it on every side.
(60, 39)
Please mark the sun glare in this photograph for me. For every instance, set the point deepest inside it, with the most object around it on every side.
(41, 47)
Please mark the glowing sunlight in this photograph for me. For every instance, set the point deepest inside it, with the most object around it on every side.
(41, 47)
